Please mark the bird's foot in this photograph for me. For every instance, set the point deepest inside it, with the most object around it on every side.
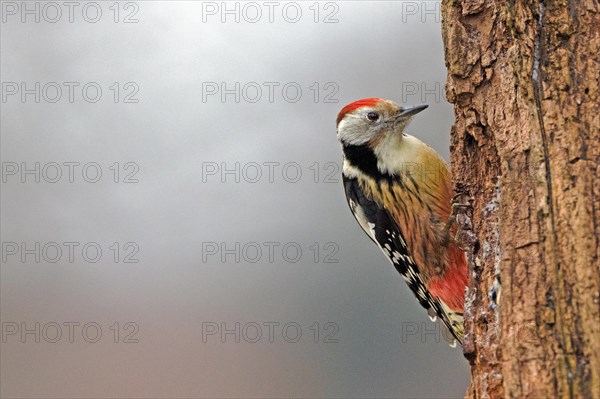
(461, 215)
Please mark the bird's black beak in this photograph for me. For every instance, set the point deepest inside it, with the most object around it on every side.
(410, 111)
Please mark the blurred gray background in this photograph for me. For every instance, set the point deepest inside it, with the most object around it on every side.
(335, 320)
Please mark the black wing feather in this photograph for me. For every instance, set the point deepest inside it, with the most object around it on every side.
(385, 232)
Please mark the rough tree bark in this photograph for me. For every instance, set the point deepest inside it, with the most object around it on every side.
(523, 77)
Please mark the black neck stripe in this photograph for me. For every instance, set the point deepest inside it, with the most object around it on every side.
(363, 158)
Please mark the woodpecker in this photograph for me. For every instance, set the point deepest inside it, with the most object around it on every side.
(399, 190)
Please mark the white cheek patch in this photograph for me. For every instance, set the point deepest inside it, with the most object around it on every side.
(353, 134)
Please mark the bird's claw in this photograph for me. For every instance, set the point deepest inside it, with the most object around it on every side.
(461, 214)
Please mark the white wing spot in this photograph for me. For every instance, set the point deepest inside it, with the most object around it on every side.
(371, 229)
(412, 273)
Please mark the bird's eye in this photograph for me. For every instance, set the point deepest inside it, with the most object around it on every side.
(372, 116)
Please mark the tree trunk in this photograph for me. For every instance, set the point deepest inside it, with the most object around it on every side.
(523, 77)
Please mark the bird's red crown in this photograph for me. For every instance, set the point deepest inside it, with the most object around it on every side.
(365, 102)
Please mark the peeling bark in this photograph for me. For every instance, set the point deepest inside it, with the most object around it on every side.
(523, 78)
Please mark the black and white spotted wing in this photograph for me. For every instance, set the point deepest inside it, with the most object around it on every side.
(384, 231)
